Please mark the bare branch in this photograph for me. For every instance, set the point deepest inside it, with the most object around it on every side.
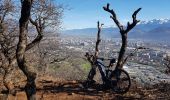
(134, 15)
(135, 21)
(113, 17)
(5, 9)
(34, 42)
(98, 39)
(38, 37)
(44, 15)
(92, 58)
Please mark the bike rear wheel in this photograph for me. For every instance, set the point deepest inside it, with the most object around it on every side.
(121, 81)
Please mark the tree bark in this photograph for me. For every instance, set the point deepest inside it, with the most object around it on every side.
(122, 51)
(30, 87)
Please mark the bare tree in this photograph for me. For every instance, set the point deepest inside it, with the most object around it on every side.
(92, 59)
(98, 40)
(46, 18)
(43, 14)
(8, 31)
(123, 31)
(30, 87)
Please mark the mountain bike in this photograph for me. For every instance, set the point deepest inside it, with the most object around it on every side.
(118, 80)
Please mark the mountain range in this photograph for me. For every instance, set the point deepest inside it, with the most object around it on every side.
(156, 29)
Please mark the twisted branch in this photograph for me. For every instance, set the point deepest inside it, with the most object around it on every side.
(92, 58)
(119, 25)
(123, 32)
(98, 39)
(113, 16)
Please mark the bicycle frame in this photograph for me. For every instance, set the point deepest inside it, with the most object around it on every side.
(102, 69)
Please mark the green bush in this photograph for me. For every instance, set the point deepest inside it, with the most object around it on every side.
(86, 67)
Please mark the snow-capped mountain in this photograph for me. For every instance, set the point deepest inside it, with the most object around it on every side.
(156, 21)
(156, 29)
(151, 24)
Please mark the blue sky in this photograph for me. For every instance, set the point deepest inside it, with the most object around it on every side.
(85, 13)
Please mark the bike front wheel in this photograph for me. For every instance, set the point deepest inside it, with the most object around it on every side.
(121, 81)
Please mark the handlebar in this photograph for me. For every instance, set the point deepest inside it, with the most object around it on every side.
(105, 59)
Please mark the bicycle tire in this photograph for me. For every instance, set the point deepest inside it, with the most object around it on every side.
(121, 83)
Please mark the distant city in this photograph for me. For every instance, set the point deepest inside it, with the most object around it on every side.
(109, 48)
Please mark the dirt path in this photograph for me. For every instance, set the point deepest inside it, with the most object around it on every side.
(51, 89)
(70, 90)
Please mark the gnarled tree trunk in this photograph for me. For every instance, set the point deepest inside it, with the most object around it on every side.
(30, 87)
(122, 51)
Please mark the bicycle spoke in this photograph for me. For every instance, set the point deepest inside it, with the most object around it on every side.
(123, 82)
(124, 79)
